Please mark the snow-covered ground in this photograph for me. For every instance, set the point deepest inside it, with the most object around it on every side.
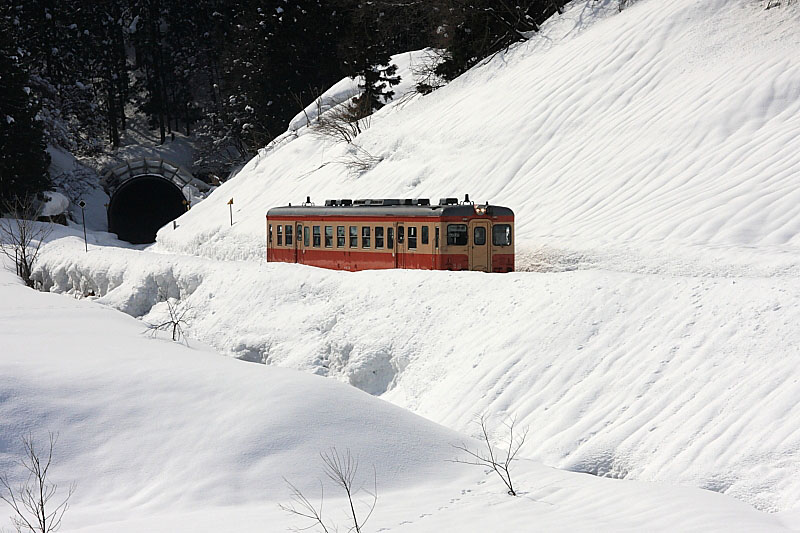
(158, 436)
(652, 158)
(689, 380)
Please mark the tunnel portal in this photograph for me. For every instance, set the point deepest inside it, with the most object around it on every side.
(146, 194)
(142, 205)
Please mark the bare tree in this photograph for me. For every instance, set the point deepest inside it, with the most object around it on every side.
(31, 500)
(344, 122)
(174, 323)
(342, 470)
(425, 75)
(21, 235)
(489, 458)
(358, 160)
(319, 105)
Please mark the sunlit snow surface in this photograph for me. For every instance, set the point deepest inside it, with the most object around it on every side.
(162, 437)
(653, 160)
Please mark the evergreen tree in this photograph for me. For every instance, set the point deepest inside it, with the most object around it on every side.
(365, 48)
(70, 48)
(472, 30)
(23, 158)
(279, 59)
(104, 71)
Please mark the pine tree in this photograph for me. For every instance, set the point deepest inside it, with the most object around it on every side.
(23, 157)
(279, 56)
(475, 29)
(365, 49)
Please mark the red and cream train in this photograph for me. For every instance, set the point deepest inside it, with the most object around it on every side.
(390, 233)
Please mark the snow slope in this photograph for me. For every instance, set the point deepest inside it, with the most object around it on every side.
(407, 64)
(669, 124)
(159, 437)
(652, 159)
(680, 379)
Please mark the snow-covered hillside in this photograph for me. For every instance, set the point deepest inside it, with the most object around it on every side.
(667, 124)
(652, 158)
(160, 437)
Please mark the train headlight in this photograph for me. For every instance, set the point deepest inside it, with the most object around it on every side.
(480, 210)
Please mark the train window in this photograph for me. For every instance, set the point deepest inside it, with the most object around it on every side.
(306, 236)
(365, 237)
(328, 236)
(316, 236)
(289, 235)
(401, 234)
(340, 236)
(280, 235)
(501, 235)
(457, 234)
(479, 236)
(379, 237)
(424, 234)
(412, 237)
(270, 233)
(390, 238)
(353, 237)
(437, 237)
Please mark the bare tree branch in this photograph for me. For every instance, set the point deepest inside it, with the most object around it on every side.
(344, 122)
(30, 500)
(21, 236)
(342, 470)
(175, 322)
(487, 458)
(303, 508)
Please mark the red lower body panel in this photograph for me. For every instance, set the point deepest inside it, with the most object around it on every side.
(376, 260)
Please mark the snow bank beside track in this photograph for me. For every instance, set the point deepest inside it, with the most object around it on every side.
(678, 379)
(159, 437)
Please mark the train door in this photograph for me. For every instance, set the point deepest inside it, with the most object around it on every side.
(297, 244)
(479, 249)
(390, 243)
(401, 246)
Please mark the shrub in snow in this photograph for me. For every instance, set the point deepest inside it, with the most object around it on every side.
(344, 122)
(31, 501)
(174, 322)
(490, 458)
(342, 470)
(21, 236)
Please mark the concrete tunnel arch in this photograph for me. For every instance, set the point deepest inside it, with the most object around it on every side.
(145, 194)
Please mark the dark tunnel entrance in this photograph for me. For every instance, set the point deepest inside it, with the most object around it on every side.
(141, 206)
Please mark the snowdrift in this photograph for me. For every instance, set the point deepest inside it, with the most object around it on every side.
(160, 437)
(145, 422)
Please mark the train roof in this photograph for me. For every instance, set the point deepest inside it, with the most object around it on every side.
(447, 207)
